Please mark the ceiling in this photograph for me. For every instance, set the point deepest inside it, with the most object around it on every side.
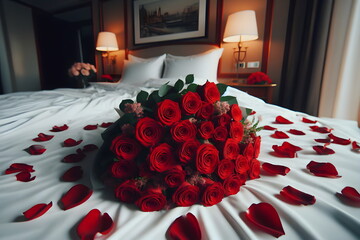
(53, 6)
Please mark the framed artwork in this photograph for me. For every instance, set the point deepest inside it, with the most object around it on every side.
(168, 20)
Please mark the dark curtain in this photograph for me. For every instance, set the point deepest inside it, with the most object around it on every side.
(305, 51)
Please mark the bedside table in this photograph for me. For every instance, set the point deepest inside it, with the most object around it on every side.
(263, 91)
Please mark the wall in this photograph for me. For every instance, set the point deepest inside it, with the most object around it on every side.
(21, 48)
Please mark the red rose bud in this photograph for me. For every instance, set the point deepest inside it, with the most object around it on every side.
(148, 131)
(190, 103)
(235, 112)
(125, 147)
(168, 112)
(209, 92)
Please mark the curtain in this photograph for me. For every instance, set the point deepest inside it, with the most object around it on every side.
(305, 51)
(340, 95)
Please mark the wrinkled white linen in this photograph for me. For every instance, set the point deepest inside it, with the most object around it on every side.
(24, 115)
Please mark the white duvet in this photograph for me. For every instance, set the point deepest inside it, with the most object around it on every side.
(24, 115)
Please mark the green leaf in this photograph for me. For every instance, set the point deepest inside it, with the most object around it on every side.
(122, 104)
(192, 87)
(142, 96)
(230, 99)
(189, 78)
(179, 85)
(164, 89)
(248, 111)
(173, 96)
(222, 88)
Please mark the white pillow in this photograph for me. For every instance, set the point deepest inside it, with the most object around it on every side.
(203, 65)
(137, 73)
(133, 58)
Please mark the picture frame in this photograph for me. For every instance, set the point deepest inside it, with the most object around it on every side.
(166, 21)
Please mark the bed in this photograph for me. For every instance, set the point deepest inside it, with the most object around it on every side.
(25, 115)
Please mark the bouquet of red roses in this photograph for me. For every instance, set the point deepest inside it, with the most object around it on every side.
(258, 78)
(178, 146)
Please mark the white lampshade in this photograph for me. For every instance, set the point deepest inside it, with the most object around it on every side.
(106, 41)
(241, 26)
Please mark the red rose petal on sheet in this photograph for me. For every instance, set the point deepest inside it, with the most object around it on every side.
(77, 195)
(296, 132)
(90, 147)
(43, 137)
(91, 127)
(270, 128)
(322, 169)
(286, 150)
(323, 140)
(266, 218)
(320, 129)
(279, 135)
(106, 124)
(322, 150)
(351, 193)
(185, 228)
(355, 146)
(306, 120)
(282, 120)
(59, 129)
(93, 223)
(71, 142)
(19, 167)
(24, 177)
(275, 169)
(36, 149)
(297, 196)
(72, 174)
(338, 140)
(74, 157)
(37, 210)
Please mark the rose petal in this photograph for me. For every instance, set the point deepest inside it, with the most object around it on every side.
(322, 150)
(77, 195)
(337, 140)
(282, 120)
(275, 169)
(74, 157)
(270, 128)
(355, 146)
(59, 129)
(286, 150)
(185, 227)
(19, 167)
(24, 177)
(266, 218)
(106, 124)
(36, 149)
(90, 147)
(37, 210)
(305, 120)
(93, 223)
(351, 193)
(43, 137)
(297, 196)
(91, 127)
(71, 142)
(322, 169)
(323, 140)
(279, 135)
(320, 129)
(296, 132)
(72, 174)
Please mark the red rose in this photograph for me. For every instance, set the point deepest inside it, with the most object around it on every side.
(183, 131)
(206, 111)
(161, 158)
(125, 147)
(123, 169)
(212, 194)
(235, 112)
(186, 195)
(241, 164)
(249, 152)
(148, 131)
(220, 134)
(127, 192)
(190, 103)
(257, 144)
(151, 201)
(175, 177)
(168, 112)
(207, 158)
(232, 184)
(231, 149)
(225, 168)
(236, 130)
(206, 129)
(209, 92)
(187, 151)
(223, 120)
(254, 171)
(258, 78)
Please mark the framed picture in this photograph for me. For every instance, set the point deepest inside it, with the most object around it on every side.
(168, 20)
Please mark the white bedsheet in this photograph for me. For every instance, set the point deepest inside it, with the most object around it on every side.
(24, 115)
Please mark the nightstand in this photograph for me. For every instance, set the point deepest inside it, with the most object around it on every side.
(263, 91)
